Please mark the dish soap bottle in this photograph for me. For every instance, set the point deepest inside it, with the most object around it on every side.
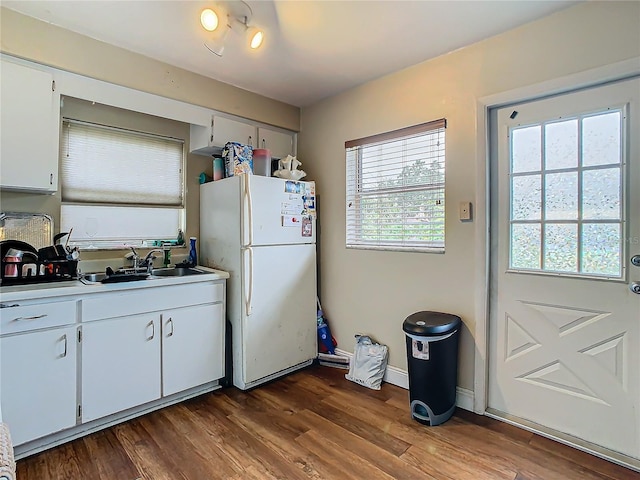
(166, 259)
(193, 255)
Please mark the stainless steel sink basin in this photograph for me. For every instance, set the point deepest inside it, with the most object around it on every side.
(115, 278)
(94, 277)
(175, 272)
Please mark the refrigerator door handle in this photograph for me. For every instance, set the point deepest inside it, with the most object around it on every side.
(248, 222)
(249, 277)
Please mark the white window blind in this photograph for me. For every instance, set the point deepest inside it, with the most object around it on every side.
(395, 189)
(120, 187)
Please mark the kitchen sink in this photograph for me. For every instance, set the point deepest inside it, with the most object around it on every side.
(175, 272)
(115, 278)
(93, 277)
(132, 276)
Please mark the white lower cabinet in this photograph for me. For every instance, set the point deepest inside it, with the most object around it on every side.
(131, 360)
(192, 347)
(105, 357)
(120, 364)
(39, 382)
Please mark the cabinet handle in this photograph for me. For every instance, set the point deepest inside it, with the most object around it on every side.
(170, 321)
(250, 140)
(153, 330)
(264, 143)
(17, 319)
(51, 179)
(64, 354)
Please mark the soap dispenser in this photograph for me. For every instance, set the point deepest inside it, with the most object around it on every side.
(193, 255)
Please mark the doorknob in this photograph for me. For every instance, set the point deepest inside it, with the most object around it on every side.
(635, 260)
(635, 287)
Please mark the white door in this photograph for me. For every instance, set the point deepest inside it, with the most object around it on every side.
(192, 347)
(29, 119)
(279, 309)
(120, 364)
(279, 144)
(564, 327)
(278, 211)
(39, 383)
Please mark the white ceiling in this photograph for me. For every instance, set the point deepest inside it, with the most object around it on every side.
(313, 49)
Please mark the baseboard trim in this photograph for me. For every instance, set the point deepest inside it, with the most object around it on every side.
(397, 376)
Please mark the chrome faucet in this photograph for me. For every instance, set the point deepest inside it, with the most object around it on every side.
(134, 257)
(148, 260)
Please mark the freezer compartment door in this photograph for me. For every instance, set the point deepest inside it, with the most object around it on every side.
(278, 211)
(279, 309)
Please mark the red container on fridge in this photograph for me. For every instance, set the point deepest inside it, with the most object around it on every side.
(262, 162)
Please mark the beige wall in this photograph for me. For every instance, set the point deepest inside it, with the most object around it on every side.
(37, 41)
(47, 44)
(372, 292)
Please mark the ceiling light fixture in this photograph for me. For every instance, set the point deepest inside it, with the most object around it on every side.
(239, 14)
(209, 19)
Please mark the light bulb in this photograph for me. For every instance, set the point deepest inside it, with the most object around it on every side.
(209, 19)
(256, 37)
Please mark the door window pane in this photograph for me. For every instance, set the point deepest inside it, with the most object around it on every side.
(601, 249)
(601, 139)
(567, 216)
(526, 149)
(601, 194)
(561, 247)
(561, 196)
(561, 145)
(525, 246)
(526, 198)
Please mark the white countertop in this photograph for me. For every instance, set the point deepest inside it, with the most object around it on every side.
(75, 287)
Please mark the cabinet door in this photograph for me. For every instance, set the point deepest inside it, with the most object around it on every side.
(28, 146)
(192, 347)
(227, 130)
(280, 144)
(39, 383)
(120, 364)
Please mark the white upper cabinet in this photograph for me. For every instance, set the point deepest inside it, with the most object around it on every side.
(227, 130)
(279, 144)
(210, 140)
(29, 129)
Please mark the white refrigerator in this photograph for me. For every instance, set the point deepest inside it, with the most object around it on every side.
(262, 230)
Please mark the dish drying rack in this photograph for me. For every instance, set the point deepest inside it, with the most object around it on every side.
(44, 271)
(36, 229)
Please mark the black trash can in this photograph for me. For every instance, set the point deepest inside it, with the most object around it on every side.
(432, 360)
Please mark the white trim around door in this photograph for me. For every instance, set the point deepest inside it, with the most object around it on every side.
(589, 78)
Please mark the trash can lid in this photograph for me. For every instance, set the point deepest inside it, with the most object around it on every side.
(430, 323)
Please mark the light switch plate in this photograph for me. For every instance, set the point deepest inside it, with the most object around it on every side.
(465, 211)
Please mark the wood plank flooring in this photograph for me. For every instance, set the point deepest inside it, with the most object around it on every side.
(313, 424)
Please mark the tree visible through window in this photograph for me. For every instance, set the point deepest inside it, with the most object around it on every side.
(395, 189)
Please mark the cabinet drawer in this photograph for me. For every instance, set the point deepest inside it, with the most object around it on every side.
(110, 305)
(34, 316)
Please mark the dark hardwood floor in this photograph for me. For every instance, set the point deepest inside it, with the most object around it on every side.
(313, 424)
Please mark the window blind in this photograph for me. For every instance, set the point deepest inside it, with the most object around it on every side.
(120, 187)
(111, 165)
(395, 189)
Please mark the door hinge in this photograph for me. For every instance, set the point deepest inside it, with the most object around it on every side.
(79, 411)
(53, 85)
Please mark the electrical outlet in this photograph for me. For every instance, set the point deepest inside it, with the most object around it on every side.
(465, 211)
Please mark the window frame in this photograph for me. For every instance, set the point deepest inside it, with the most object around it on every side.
(579, 222)
(140, 211)
(433, 134)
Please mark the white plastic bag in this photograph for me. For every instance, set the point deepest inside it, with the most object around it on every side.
(368, 364)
